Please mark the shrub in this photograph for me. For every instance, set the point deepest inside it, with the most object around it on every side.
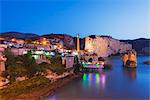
(76, 60)
(43, 67)
(107, 66)
(77, 68)
(56, 65)
(14, 71)
(20, 87)
(23, 65)
(29, 64)
(10, 57)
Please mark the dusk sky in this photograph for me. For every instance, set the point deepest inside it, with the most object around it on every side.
(121, 19)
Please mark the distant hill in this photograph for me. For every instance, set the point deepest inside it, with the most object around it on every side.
(141, 45)
(19, 35)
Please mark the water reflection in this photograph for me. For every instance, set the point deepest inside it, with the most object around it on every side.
(130, 73)
(115, 84)
(52, 98)
(94, 79)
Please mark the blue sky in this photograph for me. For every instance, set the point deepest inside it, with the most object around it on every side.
(121, 19)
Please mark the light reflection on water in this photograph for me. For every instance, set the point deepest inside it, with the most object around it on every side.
(94, 79)
(113, 84)
(130, 73)
(53, 97)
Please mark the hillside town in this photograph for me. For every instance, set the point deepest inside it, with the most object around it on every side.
(102, 46)
(52, 59)
(75, 50)
(44, 48)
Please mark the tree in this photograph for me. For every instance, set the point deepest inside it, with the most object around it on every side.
(14, 71)
(22, 65)
(76, 60)
(56, 64)
(10, 57)
(29, 64)
(43, 67)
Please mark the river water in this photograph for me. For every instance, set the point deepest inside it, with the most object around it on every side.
(116, 84)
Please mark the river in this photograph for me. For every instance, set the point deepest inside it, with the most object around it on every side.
(116, 84)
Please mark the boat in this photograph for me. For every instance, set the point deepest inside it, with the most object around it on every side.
(90, 65)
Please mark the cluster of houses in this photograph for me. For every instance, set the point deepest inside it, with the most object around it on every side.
(40, 44)
(41, 49)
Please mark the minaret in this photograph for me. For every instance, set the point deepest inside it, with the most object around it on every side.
(78, 43)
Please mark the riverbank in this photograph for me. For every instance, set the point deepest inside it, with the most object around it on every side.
(40, 93)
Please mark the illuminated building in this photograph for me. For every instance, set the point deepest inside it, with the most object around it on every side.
(15, 43)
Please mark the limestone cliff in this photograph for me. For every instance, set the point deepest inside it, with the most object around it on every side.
(105, 45)
(129, 59)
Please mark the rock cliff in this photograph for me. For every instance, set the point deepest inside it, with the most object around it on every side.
(105, 45)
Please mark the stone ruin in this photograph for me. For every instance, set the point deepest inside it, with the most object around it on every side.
(2, 63)
(2, 68)
(129, 59)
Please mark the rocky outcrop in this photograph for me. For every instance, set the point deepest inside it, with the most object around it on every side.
(104, 46)
(129, 59)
